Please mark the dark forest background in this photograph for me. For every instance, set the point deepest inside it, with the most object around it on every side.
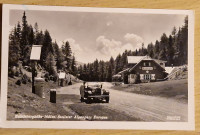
(172, 48)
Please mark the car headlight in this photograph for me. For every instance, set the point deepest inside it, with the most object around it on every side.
(107, 92)
(89, 92)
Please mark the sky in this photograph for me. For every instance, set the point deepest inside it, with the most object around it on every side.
(94, 35)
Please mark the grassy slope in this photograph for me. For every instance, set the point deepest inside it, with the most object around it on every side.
(177, 89)
(22, 101)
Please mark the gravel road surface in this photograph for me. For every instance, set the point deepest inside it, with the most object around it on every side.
(146, 108)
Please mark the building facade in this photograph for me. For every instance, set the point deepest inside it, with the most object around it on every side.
(143, 69)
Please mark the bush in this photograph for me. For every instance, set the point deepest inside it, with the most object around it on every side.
(18, 82)
(17, 73)
(46, 76)
(55, 78)
(46, 79)
(29, 69)
(25, 79)
(11, 73)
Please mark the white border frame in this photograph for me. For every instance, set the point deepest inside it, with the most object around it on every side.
(190, 125)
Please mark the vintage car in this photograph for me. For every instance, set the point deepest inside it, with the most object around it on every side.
(93, 92)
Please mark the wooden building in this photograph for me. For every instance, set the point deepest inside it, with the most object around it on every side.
(143, 69)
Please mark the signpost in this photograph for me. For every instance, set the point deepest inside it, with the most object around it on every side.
(147, 68)
(35, 56)
(61, 78)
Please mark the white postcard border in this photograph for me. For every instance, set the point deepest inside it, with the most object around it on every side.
(190, 125)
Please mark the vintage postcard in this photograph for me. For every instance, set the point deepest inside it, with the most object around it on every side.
(97, 68)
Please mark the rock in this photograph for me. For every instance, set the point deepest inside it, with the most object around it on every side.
(70, 83)
(25, 79)
(46, 80)
(18, 82)
(16, 112)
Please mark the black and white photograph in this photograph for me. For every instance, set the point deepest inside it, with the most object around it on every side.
(101, 66)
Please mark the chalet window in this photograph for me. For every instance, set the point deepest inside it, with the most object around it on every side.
(153, 76)
(154, 67)
(148, 64)
(132, 76)
(148, 77)
(161, 64)
(141, 76)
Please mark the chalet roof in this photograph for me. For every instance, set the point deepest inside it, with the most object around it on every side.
(125, 70)
(146, 58)
(134, 59)
(137, 59)
(116, 76)
(159, 61)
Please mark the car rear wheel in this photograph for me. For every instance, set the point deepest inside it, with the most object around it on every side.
(107, 99)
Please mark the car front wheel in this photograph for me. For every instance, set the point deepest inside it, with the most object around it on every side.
(88, 101)
(82, 100)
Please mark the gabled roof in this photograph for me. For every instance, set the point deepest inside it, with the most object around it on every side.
(159, 61)
(117, 75)
(147, 58)
(137, 59)
(125, 70)
(134, 59)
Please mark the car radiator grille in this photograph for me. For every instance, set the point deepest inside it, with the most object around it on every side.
(97, 91)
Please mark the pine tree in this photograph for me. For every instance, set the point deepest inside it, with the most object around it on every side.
(36, 28)
(184, 39)
(110, 72)
(156, 49)
(136, 52)
(18, 31)
(13, 48)
(176, 57)
(118, 66)
(162, 54)
(124, 61)
(66, 49)
(162, 47)
(39, 38)
(170, 51)
(174, 31)
(73, 66)
(163, 41)
(31, 36)
(50, 64)
(59, 57)
(24, 35)
(96, 70)
(46, 47)
(150, 50)
(80, 72)
(85, 73)
(102, 71)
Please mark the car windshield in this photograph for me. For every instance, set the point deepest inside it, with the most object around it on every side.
(93, 85)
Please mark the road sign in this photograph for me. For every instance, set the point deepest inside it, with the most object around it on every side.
(35, 56)
(35, 52)
(61, 75)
